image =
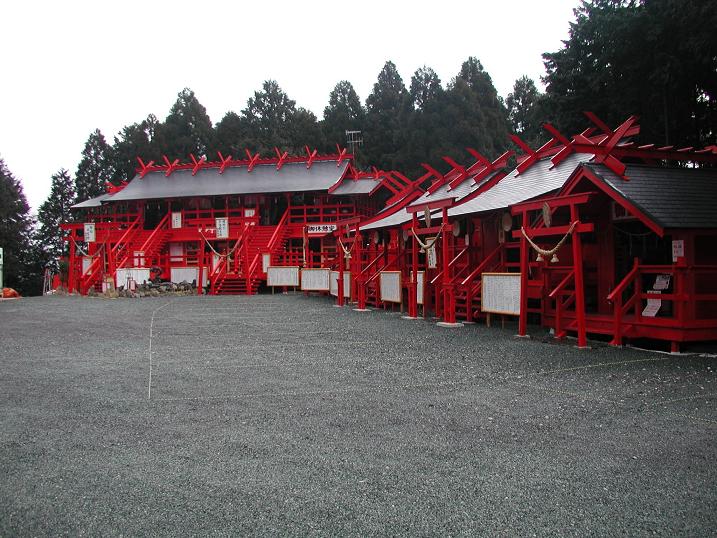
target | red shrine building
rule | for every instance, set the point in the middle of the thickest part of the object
(217, 224)
(588, 235)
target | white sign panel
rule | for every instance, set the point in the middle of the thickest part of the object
(421, 282)
(89, 232)
(140, 276)
(390, 285)
(176, 252)
(431, 257)
(265, 261)
(282, 276)
(315, 279)
(678, 249)
(185, 274)
(86, 262)
(653, 305)
(320, 228)
(500, 293)
(334, 284)
(249, 212)
(139, 258)
(176, 219)
(222, 225)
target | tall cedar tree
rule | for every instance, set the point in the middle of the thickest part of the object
(95, 168)
(231, 136)
(655, 59)
(54, 211)
(136, 140)
(187, 129)
(269, 117)
(387, 108)
(343, 113)
(21, 270)
(476, 114)
(526, 111)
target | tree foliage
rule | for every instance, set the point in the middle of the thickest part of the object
(95, 168)
(20, 269)
(187, 129)
(343, 113)
(526, 111)
(652, 58)
(54, 211)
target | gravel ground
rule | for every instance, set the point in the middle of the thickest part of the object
(283, 415)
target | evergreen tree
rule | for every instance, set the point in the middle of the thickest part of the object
(268, 116)
(525, 111)
(136, 140)
(604, 66)
(95, 168)
(20, 269)
(387, 108)
(231, 134)
(305, 131)
(477, 115)
(187, 128)
(425, 87)
(54, 211)
(343, 113)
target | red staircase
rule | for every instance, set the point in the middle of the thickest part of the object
(468, 287)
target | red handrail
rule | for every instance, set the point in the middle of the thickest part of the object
(481, 267)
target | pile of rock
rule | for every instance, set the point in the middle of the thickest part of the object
(149, 289)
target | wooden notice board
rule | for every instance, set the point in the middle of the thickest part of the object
(500, 293)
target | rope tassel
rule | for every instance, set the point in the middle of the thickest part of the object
(425, 247)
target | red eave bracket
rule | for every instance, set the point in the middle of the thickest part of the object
(252, 160)
(197, 163)
(342, 154)
(144, 168)
(311, 156)
(281, 158)
(223, 162)
(170, 166)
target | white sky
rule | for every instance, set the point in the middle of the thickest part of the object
(70, 67)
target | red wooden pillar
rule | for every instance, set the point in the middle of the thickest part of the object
(200, 273)
(342, 264)
(524, 252)
(413, 284)
(449, 299)
(579, 286)
(71, 284)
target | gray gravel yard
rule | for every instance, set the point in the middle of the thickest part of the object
(283, 415)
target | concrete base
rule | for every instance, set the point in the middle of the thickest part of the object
(449, 325)
(362, 310)
(337, 305)
(409, 317)
(521, 336)
(469, 323)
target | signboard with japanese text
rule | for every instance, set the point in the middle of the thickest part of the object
(89, 232)
(320, 229)
(419, 286)
(282, 276)
(500, 293)
(176, 219)
(678, 249)
(265, 261)
(315, 279)
(431, 257)
(222, 225)
(390, 286)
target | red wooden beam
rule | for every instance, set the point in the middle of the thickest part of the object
(197, 163)
(598, 122)
(281, 158)
(311, 157)
(223, 162)
(342, 154)
(144, 168)
(170, 166)
(252, 160)
(440, 179)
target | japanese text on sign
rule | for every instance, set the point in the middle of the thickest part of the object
(320, 228)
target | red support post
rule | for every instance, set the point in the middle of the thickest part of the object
(449, 300)
(579, 286)
(523, 319)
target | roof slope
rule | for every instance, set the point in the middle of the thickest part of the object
(671, 197)
(466, 187)
(264, 178)
(93, 202)
(514, 188)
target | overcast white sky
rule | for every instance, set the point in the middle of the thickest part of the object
(71, 67)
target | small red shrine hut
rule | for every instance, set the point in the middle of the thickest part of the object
(218, 224)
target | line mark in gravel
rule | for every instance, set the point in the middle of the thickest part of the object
(151, 333)
(602, 364)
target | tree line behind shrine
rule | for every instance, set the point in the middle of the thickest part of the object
(657, 59)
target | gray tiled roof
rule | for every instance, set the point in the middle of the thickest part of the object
(514, 188)
(360, 186)
(93, 202)
(671, 197)
(264, 178)
(461, 191)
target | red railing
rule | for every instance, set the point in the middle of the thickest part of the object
(563, 300)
